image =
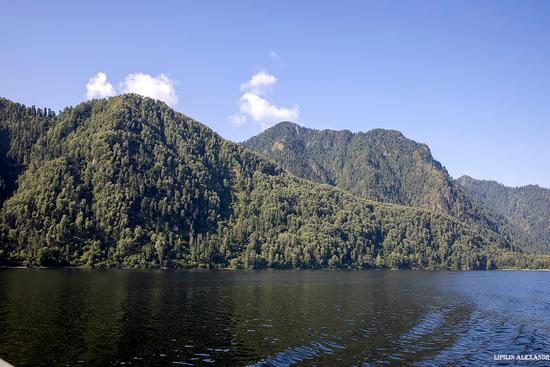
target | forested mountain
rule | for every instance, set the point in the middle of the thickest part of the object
(127, 181)
(381, 165)
(528, 207)
(20, 128)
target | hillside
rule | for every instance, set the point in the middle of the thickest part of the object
(20, 128)
(528, 207)
(127, 181)
(381, 165)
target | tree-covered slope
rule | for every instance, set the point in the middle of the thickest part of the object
(129, 182)
(381, 165)
(20, 128)
(528, 207)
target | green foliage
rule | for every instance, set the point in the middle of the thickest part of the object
(380, 165)
(129, 182)
(528, 207)
(20, 128)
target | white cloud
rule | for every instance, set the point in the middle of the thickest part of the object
(276, 59)
(260, 110)
(98, 87)
(254, 105)
(237, 120)
(160, 87)
(259, 83)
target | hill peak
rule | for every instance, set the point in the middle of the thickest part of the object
(297, 128)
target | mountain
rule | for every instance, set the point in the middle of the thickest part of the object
(528, 207)
(129, 182)
(20, 128)
(381, 165)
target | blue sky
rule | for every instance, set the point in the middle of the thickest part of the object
(469, 78)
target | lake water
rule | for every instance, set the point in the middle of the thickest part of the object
(272, 318)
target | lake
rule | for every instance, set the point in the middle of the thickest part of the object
(74, 317)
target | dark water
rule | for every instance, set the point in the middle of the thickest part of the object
(272, 318)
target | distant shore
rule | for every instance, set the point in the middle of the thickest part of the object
(246, 269)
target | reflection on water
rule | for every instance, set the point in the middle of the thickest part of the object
(271, 318)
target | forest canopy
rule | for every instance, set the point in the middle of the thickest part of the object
(383, 165)
(129, 182)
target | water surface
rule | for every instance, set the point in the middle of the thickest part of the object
(71, 317)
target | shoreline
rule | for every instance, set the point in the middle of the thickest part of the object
(266, 269)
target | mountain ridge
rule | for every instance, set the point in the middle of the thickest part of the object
(129, 182)
(294, 132)
(527, 206)
(495, 182)
(381, 165)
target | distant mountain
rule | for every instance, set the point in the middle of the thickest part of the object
(528, 207)
(127, 181)
(381, 165)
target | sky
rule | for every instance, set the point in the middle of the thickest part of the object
(469, 78)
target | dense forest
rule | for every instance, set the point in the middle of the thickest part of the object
(129, 182)
(528, 207)
(20, 128)
(381, 165)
